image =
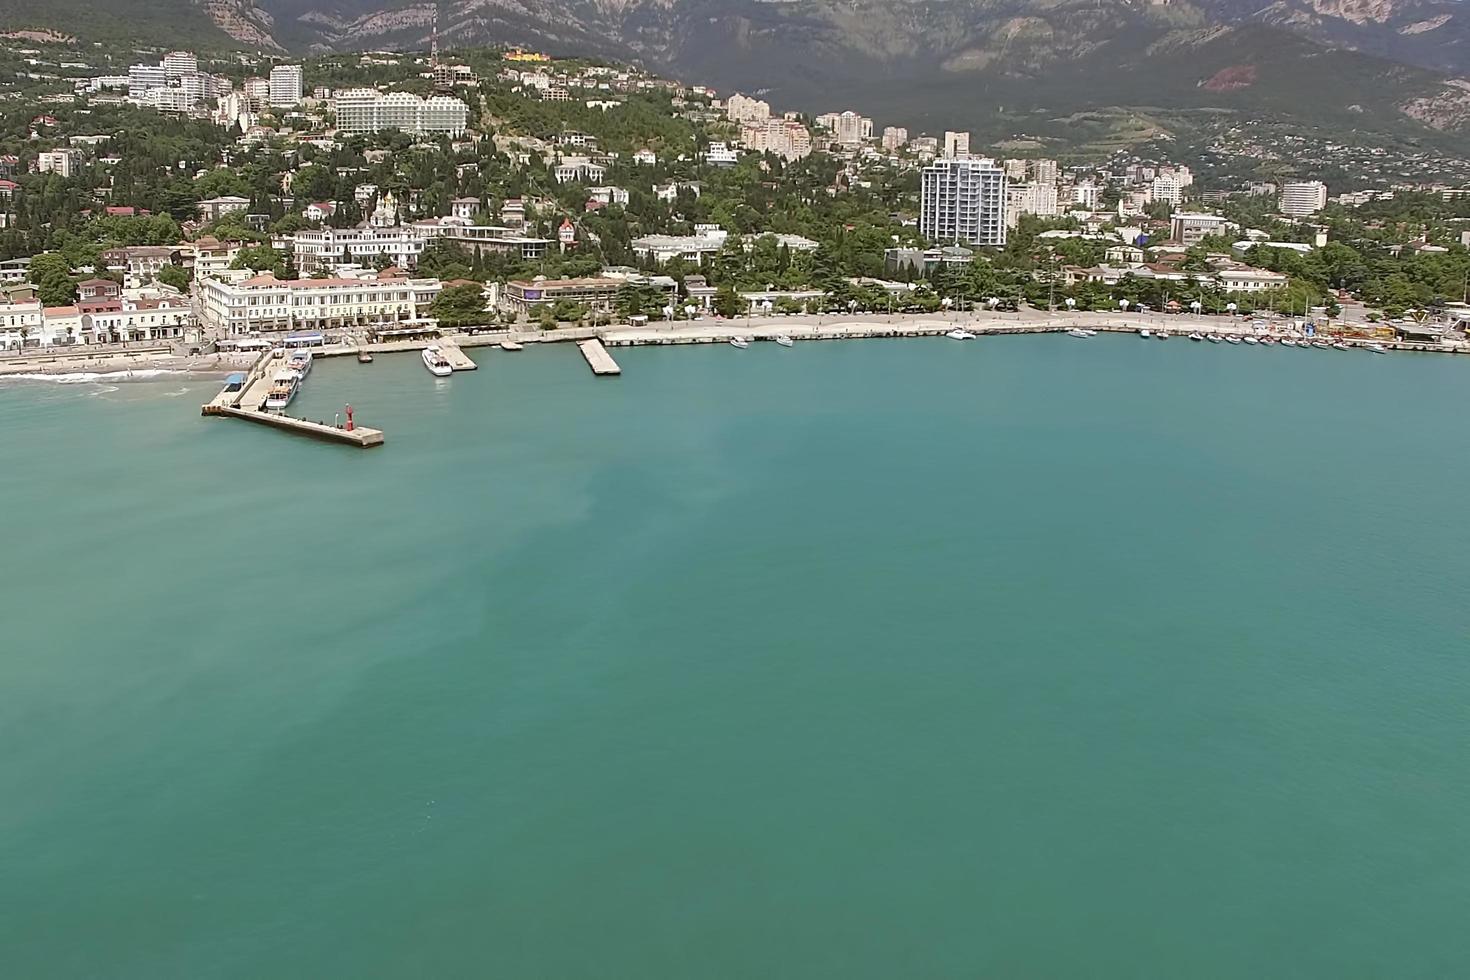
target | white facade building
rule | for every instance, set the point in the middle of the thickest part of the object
(963, 200)
(285, 85)
(265, 303)
(365, 110)
(177, 64)
(956, 145)
(1302, 198)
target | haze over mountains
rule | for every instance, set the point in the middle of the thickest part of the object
(935, 63)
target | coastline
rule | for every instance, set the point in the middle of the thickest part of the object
(122, 367)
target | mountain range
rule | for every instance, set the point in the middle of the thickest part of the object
(928, 63)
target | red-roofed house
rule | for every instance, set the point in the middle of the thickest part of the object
(98, 289)
(320, 211)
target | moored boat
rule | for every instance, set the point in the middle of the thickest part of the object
(1213, 338)
(364, 357)
(1145, 333)
(1377, 348)
(740, 342)
(1161, 335)
(284, 384)
(1074, 332)
(1324, 345)
(509, 345)
(436, 362)
(960, 334)
(783, 340)
(300, 362)
(1249, 339)
(1196, 337)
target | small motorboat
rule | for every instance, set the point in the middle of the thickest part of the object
(1377, 348)
(1249, 339)
(1268, 341)
(1074, 332)
(1339, 345)
(958, 334)
(1232, 339)
(1287, 342)
(740, 342)
(437, 363)
(783, 340)
(1144, 332)
(1196, 337)
(364, 357)
(1213, 338)
(1161, 335)
(1324, 345)
(510, 345)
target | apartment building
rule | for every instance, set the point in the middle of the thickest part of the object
(284, 87)
(963, 200)
(365, 110)
(1301, 198)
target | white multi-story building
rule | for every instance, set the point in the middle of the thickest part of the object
(285, 85)
(1033, 197)
(141, 78)
(365, 110)
(1301, 198)
(1044, 171)
(327, 247)
(1167, 188)
(177, 64)
(1086, 195)
(258, 91)
(741, 108)
(956, 144)
(62, 162)
(963, 200)
(784, 137)
(22, 324)
(848, 127)
(264, 303)
(894, 137)
(1015, 170)
(721, 155)
(1189, 227)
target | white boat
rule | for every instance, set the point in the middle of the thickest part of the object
(436, 362)
(1322, 344)
(1250, 339)
(740, 342)
(1161, 335)
(1339, 345)
(783, 340)
(284, 384)
(1377, 348)
(1213, 338)
(1196, 336)
(364, 357)
(300, 362)
(509, 345)
(1074, 332)
(1145, 333)
(958, 334)
(1287, 342)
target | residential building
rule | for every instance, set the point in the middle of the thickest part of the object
(786, 138)
(894, 137)
(925, 260)
(213, 257)
(665, 248)
(1301, 198)
(98, 290)
(257, 92)
(285, 85)
(214, 208)
(1015, 170)
(963, 200)
(580, 170)
(319, 211)
(1086, 194)
(1188, 228)
(62, 162)
(365, 110)
(264, 303)
(141, 261)
(740, 108)
(1032, 197)
(847, 126)
(721, 155)
(645, 158)
(327, 247)
(141, 78)
(1167, 188)
(1044, 171)
(22, 325)
(177, 64)
(956, 145)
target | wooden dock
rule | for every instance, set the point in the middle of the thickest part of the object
(598, 359)
(457, 358)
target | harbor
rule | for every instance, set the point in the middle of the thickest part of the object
(263, 392)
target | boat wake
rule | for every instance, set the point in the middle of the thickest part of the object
(93, 377)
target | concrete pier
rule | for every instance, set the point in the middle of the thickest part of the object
(457, 358)
(598, 359)
(360, 436)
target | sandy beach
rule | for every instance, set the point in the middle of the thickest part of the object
(121, 365)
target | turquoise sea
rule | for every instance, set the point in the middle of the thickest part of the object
(1024, 657)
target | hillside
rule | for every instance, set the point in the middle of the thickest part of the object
(990, 65)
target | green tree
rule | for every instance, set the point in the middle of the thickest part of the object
(51, 274)
(459, 305)
(172, 275)
(727, 301)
